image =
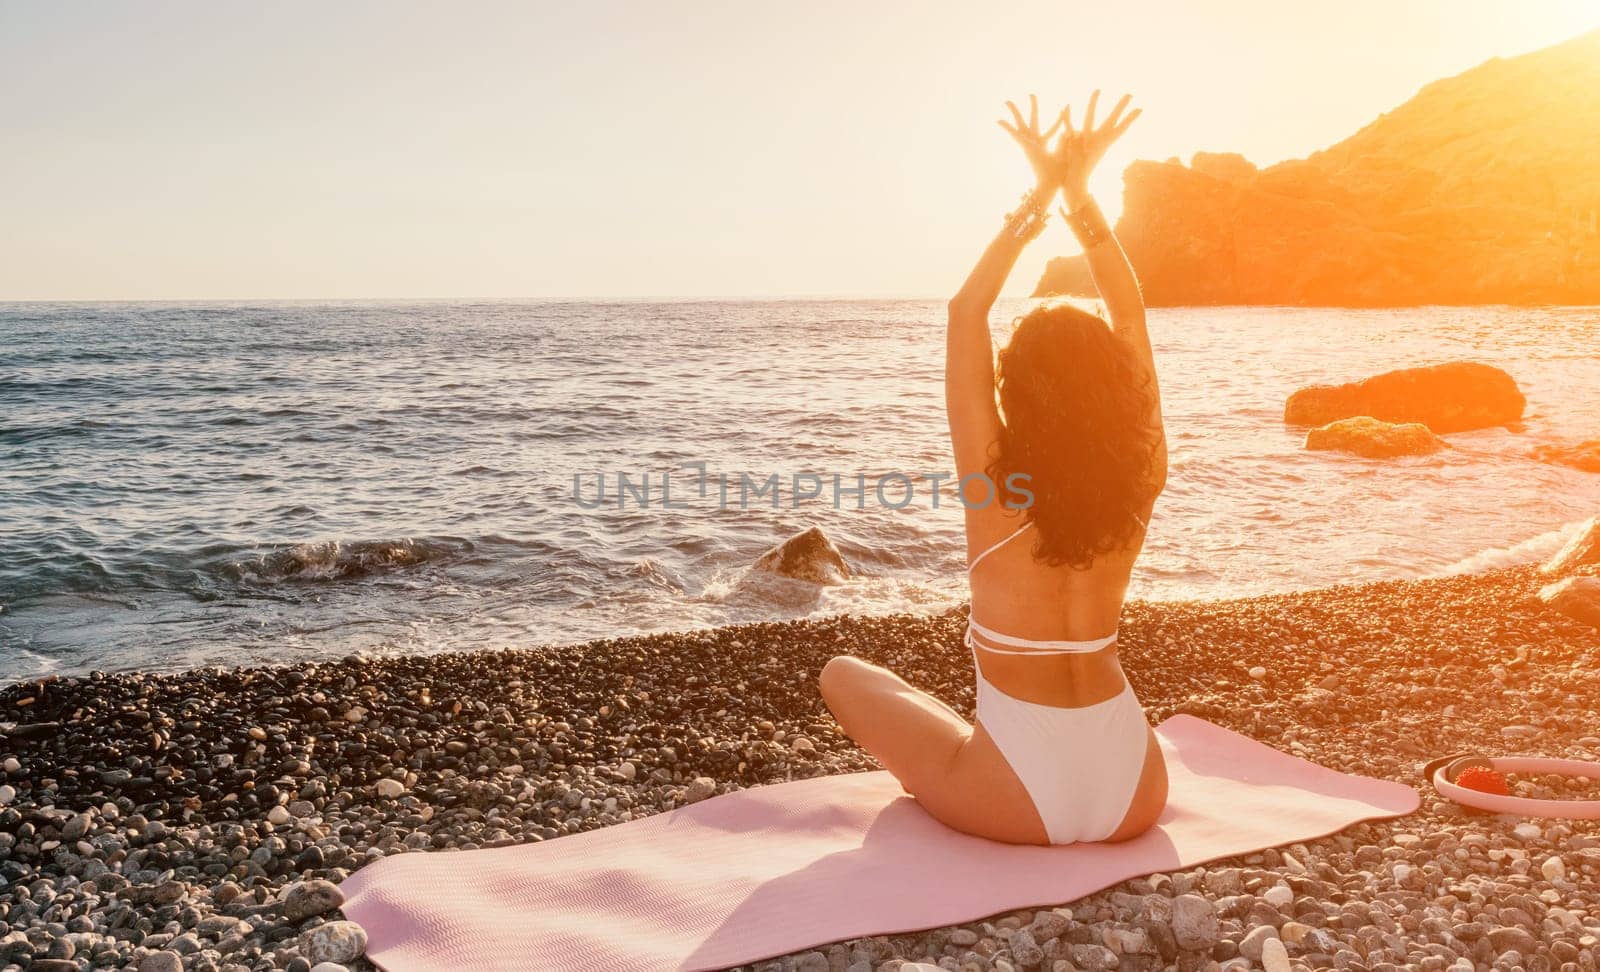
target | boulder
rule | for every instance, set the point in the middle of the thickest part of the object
(1581, 551)
(808, 556)
(1453, 397)
(1578, 455)
(1576, 597)
(1374, 439)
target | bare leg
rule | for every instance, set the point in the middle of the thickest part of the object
(952, 768)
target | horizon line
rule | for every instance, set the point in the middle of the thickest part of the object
(587, 299)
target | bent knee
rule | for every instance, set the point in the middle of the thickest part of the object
(839, 672)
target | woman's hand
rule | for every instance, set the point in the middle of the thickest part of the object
(1035, 144)
(1082, 149)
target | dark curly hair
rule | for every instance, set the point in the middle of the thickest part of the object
(1075, 419)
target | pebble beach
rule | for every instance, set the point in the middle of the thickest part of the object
(203, 820)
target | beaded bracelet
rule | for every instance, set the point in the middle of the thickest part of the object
(1027, 221)
(1088, 224)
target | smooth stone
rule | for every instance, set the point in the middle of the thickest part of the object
(389, 789)
(700, 788)
(77, 826)
(308, 899)
(1274, 957)
(1251, 945)
(1194, 922)
(161, 962)
(341, 942)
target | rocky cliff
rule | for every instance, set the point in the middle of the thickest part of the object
(1481, 189)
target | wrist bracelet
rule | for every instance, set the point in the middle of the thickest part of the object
(1088, 224)
(1027, 221)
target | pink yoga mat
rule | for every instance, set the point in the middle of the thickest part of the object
(780, 868)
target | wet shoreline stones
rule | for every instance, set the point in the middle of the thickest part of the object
(206, 818)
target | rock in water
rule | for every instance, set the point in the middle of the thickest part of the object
(1576, 597)
(1579, 455)
(1453, 397)
(808, 556)
(1374, 439)
(1581, 551)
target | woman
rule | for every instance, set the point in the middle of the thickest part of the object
(1061, 750)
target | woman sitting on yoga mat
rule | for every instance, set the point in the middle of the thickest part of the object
(1061, 750)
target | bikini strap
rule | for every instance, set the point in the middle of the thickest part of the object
(1033, 647)
(993, 547)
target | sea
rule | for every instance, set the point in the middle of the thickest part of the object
(191, 484)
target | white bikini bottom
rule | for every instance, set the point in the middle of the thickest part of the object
(1081, 766)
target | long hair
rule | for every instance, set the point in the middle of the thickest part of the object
(1075, 412)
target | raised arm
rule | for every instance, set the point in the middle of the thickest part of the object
(969, 350)
(1080, 151)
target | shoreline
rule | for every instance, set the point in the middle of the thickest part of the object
(1535, 550)
(198, 797)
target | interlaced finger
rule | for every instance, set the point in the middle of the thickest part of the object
(1116, 113)
(1016, 114)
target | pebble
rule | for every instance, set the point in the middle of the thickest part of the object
(1252, 944)
(242, 784)
(1274, 957)
(308, 899)
(1194, 922)
(161, 962)
(75, 827)
(700, 788)
(339, 942)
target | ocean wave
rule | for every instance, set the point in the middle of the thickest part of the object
(344, 559)
(1531, 550)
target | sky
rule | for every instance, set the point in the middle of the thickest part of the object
(199, 150)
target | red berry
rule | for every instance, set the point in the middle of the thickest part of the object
(1483, 779)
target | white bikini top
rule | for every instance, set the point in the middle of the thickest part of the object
(1030, 646)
